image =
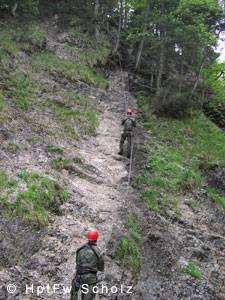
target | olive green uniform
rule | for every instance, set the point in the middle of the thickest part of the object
(129, 123)
(88, 262)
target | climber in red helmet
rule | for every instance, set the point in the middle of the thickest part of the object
(89, 261)
(128, 125)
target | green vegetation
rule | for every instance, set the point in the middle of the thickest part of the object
(214, 78)
(10, 146)
(31, 37)
(6, 183)
(219, 200)
(54, 149)
(22, 89)
(15, 36)
(78, 160)
(42, 196)
(72, 69)
(8, 46)
(82, 118)
(2, 102)
(178, 152)
(130, 246)
(61, 163)
(7, 188)
(192, 270)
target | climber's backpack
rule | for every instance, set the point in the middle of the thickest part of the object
(129, 124)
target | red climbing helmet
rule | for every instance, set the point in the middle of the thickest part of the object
(129, 111)
(92, 234)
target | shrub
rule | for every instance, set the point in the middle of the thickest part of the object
(173, 104)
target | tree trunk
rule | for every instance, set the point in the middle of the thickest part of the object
(13, 10)
(119, 26)
(198, 77)
(161, 70)
(141, 46)
(126, 11)
(152, 80)
(96, 12)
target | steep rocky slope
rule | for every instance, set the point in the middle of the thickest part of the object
(68, 131)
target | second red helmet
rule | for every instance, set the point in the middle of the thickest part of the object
(92, 234)
(129, 111)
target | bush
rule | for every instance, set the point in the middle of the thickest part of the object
(175, 105)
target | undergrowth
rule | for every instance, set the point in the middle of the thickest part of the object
(22, 89)
(130, 246)
(70, 68)
(218, 199)
(179, 150)
(78, 119)
(40, 197)
(54, 149)
(61, 163)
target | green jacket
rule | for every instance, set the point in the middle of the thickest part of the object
(129, 123)
(89, 261)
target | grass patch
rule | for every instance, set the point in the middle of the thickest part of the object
(61, 163)
(178, 152)
(2, 101)
(82, 119)
(8, 46)
(71, 69)
(54, 149)
(219, 200)
(22, 89)
(41, 197)
(11, 146)
(78, 160)
(31, 37)
(130, 246)
(6, 182)
(15, 36)
(192, 270)
(7, 187)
